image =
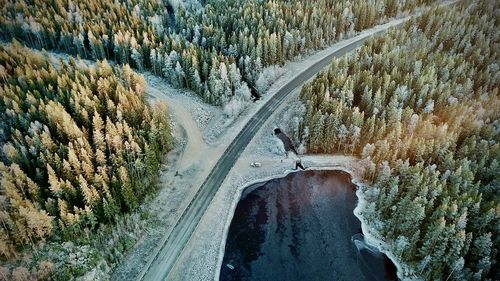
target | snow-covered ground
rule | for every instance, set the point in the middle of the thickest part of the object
(374, 239)
(203, 132)
(203, 139)
(201, 257)
(217, 128)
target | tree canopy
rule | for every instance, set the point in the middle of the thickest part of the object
(79, 146)
(191, 46)
(419, 105)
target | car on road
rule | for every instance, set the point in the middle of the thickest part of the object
(256, 164)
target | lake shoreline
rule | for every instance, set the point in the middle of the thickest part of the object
(354, 175)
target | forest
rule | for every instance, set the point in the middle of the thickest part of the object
(217, 50)
(420, 107)
(80, 146)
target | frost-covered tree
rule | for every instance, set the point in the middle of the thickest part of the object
(69, 158)
(426, 109)
(139, 32)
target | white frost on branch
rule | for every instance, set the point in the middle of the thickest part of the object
(238, 102)
(429, 107)
(267, 77)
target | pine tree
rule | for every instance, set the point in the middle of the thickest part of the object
(130, 199)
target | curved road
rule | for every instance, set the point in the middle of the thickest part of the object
(164, 259)
(195, 142)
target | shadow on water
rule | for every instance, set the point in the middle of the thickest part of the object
(301, 227)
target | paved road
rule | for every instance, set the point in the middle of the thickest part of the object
(164, 260)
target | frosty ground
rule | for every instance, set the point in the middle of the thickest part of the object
(203, 132)
(202, 257)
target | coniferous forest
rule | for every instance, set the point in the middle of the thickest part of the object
(82, 147)
(420, 107)
(210, 50)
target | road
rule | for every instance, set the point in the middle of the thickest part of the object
(164, 260)
(195, 142)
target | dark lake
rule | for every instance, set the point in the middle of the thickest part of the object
(301, 227)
